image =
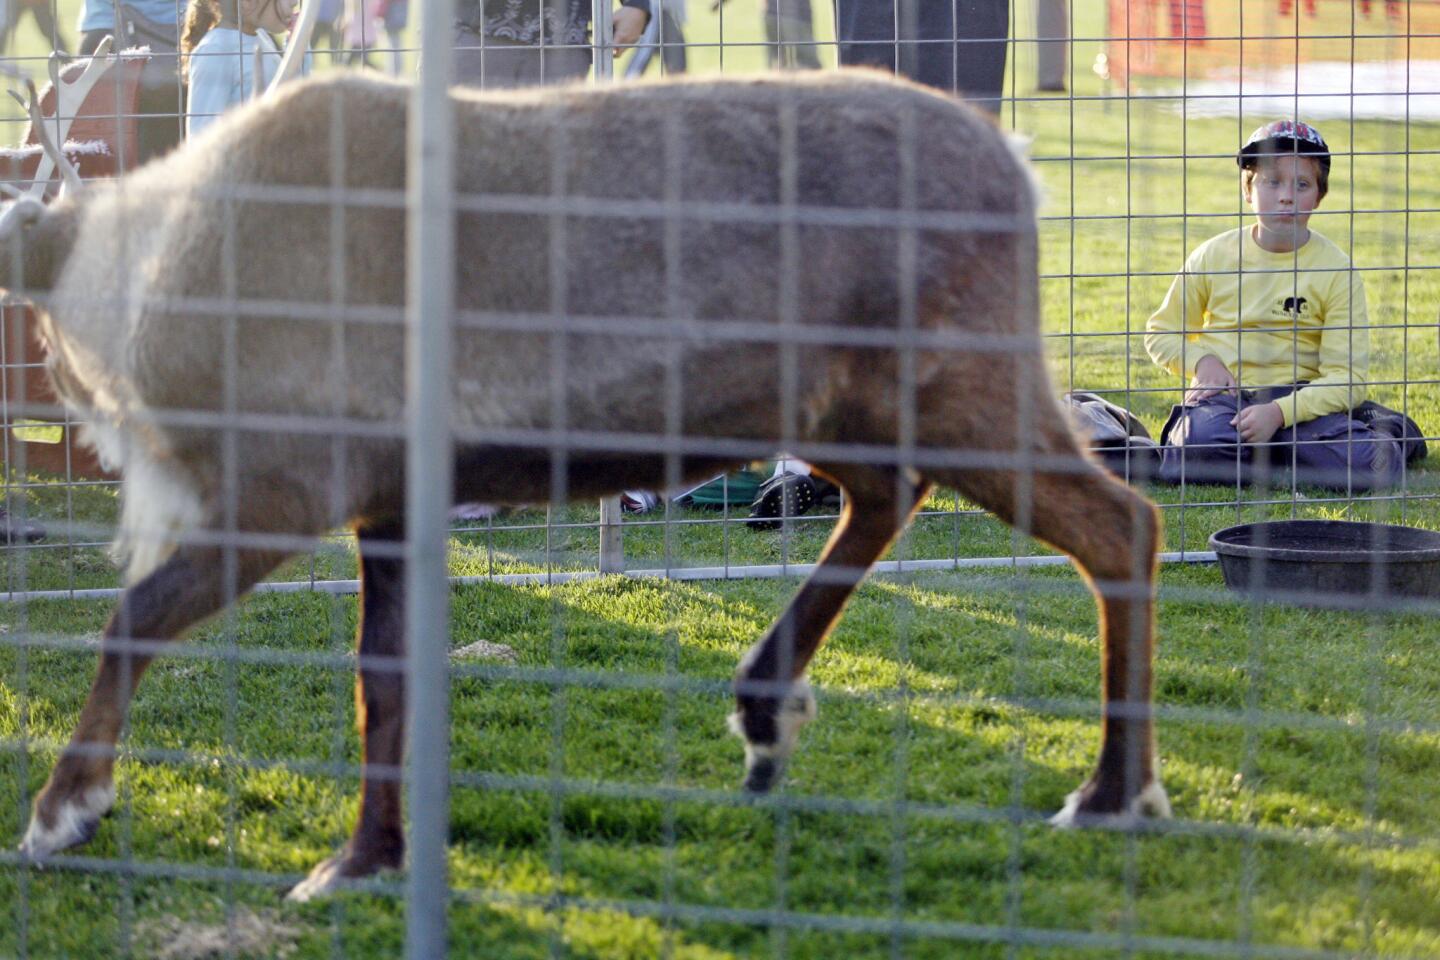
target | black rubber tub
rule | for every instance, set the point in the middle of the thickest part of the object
(1329, 562)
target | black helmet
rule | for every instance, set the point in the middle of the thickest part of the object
(1279, 137)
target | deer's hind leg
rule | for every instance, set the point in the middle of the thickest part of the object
(1113, 535)
(773, 700)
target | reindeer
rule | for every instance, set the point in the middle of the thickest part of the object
(857, 251)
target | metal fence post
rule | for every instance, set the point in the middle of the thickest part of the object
(429, 466)
(612, 536)
(601, 46)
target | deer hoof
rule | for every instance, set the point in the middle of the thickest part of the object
(761, 773)
(1151, 803)
(334, 874)
(322, 881)
(71, 823)
(765, 762)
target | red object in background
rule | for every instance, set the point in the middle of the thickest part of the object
(100, 143)
(1176, 39)
(27, 395)
(1135, 31)
(1393, 9)
(1187, 20)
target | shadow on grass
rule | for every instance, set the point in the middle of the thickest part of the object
(938, 690)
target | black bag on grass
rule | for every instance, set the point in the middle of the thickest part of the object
(1115, 435)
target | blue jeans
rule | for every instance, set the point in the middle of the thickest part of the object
(1335, 451)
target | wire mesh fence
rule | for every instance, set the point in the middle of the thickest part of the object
(720, 336)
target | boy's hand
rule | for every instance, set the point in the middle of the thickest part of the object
(1211, 377)
(1258, 423)
(629, 23)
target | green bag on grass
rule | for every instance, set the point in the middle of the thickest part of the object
(737, 489)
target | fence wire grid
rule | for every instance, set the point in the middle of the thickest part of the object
(570, 788)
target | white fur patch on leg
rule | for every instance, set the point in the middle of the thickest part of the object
(1151, 803)
(797, 709)
(1065, 818)
(159, 508)
(321, 882)
(74, 823)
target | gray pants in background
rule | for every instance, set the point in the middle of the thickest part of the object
(790, 33)
(482, 61)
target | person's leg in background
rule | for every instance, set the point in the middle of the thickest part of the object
(790, 33)
(972, 63)
(502, 64)
(9, 17)
(359, 33)
(1342, 453)
(397, 15)
(865, 30)
(959, 46)
(481, 61)
(327, 35)
(1201, 445)
(559, 64)
(49, 27)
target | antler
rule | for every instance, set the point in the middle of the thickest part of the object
(68, 173)
(257, 77)
(24, 209)
(69, 96)
(298, 44)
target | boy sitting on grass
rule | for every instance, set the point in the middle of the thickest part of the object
(1268, 321)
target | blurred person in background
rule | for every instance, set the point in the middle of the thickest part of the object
(364, 22)
(519, 43)
(44, 14)
(219, 46)
(789, 34)
(954, 45)
(329, 29)
(144, 23)
(1269, 323)
(394, 16)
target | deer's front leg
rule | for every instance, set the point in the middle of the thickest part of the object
(182, 591)
(378, 842)
(773, 700)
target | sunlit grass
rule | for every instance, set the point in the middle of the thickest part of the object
(1321, 834)
(956, 709)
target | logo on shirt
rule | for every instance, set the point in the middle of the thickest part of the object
(1295, 307)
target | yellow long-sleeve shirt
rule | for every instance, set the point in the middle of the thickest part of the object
(1272, 318)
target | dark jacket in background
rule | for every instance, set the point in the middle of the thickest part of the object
(953, 45)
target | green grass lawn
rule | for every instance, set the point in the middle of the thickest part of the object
(594, 812)
(1299, 748)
